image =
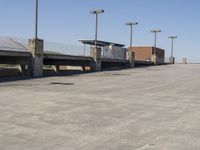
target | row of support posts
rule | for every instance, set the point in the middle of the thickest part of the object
(36, 48)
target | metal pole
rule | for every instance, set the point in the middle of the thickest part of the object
(131, 24)
(172, 50)
(131, 37)
(36, 19)
(96, 31)
(155, 40)
(155, 43)
(84, 49)
(172, 45)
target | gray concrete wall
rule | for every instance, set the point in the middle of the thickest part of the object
(96, 55)
(9, 72)
(36, 47)
(131, 58)
(114, 52)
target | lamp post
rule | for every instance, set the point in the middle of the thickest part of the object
(155, 38)
(36, 19)
(36, 48)
(96, 12)
(130, 55)
(131, 24)
(95, 52)
(155, 44)
(172, 46)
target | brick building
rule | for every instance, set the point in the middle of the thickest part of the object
(145, 53)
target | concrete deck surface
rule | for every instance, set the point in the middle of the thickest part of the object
(154, 108)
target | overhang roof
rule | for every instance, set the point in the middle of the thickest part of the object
(100, 43)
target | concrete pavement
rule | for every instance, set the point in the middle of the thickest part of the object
(154, 108)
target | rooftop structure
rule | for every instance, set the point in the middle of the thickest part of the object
(100, 43)
(145, 53)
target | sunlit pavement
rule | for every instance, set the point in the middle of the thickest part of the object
(153, 108)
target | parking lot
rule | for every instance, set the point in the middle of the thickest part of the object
(151, 108)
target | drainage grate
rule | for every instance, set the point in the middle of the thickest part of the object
(118, 74)
(60, 83)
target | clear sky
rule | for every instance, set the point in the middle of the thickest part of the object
(66, 21)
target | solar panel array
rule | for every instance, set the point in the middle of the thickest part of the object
(13, 44)
(20, 44)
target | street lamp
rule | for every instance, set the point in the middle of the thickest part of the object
(154, 56)
(155, 41)
(36, 19)
(172, 48)
(131, 24)
(96, 12)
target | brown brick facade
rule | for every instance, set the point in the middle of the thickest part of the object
(145, 53)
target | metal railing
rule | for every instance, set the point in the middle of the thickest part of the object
(21, 44)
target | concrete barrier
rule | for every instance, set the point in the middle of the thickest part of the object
(9, 72)
(36, 48)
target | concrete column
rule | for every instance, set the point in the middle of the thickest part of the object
(56, 68)
(154, 59)
(172, 60)
(36, 48)
(131, 58)
(96, 54)
(83, 68)
(22, 70)
(184, 60)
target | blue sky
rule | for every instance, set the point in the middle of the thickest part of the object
(66, 21)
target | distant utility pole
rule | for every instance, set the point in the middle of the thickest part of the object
(36, 19)
(84, 49)
(155, 40)
(96, 12)
(172, 46)
(131, 24)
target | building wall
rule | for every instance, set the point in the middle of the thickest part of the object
(160, 54)
(142, 53)
(145, 53)
(114, 52)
